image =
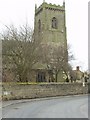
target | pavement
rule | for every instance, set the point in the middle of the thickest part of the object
(12, 102)
(60, 107)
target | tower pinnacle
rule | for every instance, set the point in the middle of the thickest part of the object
(43, 1)
(63, 2)
(35, 6)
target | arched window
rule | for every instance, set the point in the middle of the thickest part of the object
(39, 25)
(54, 23)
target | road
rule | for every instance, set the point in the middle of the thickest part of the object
(61, 107)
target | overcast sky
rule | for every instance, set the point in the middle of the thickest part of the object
(18, 11)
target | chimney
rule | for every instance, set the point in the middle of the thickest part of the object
(77, 68)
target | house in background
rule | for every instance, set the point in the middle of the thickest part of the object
(78, 74)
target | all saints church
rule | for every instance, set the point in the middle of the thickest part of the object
(50, 28)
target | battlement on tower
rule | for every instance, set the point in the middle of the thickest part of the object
(49, 6)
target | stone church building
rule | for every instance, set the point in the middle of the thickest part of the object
(50, 28)
(50, 23)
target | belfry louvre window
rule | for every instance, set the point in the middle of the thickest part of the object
(39, 25)
(54, 23)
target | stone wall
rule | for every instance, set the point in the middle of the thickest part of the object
(14, 91)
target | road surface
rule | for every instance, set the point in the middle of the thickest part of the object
(61, 107)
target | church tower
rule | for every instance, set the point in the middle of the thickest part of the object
(50, 29)
(49, 24)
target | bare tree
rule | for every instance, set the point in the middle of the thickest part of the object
(56, 58)
(19, 51)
